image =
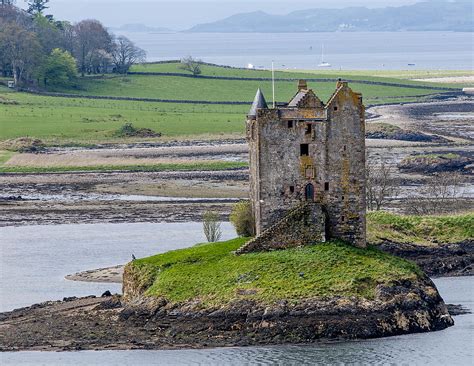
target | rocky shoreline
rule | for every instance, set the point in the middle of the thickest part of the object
(110, 323)
(455, 259)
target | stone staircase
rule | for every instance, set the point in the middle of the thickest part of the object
(302, 225)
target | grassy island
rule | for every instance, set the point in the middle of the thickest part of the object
(214, 275)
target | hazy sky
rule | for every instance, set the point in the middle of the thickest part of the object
(182, 14)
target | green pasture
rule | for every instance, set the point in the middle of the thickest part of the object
(400, 76)
(179, 88)
(85, 121)
(79, 121)
(198, 166)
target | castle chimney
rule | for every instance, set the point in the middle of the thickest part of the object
(302, 85)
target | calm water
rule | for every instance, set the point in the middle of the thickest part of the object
(359, 50)
(34, 260)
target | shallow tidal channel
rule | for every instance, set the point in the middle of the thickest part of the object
(35, 259)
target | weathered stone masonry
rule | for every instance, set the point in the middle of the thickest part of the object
(313, 153)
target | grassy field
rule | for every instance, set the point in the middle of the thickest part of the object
(63, 121)
(425, 230)
(213, 275)
(5, 156)
(178, 88)
(78, 121)
(374, 75)
(217, 165)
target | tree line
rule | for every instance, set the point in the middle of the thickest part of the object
(39, 50)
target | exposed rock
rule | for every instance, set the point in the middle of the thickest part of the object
(379, 130)
(436, 163)
(147, 323)
(23, 144)
(455, 310)
(11, 198)
(436, 260)
(405, 135)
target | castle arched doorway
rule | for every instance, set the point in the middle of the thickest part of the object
(309, 192)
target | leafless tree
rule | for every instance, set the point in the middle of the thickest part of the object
(21, 50)
(379, 185)
(90, 36)
(442, 190)
(67, 36)
(212, 226)
(99, 61)
(192, 65)
(9, 13)
(125, 54)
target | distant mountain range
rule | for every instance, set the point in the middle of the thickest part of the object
(436, 15)
(140, 28)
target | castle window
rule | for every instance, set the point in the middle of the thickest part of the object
(304, 150)
(326, 186)
(335, 108)
(343, 218)
(290, 124)
(308, 129)
(309, 192)
(345, 147)
(292, 189)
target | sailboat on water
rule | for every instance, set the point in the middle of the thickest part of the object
(323, 63)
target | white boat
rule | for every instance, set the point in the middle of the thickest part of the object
(323, 63)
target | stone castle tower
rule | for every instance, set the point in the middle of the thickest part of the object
(307, 169)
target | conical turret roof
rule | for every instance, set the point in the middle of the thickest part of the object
(258, 103)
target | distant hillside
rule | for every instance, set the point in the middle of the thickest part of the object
(437, 15)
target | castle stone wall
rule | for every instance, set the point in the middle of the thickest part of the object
(311, 153)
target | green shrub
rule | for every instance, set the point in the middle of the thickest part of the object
(242, 219)
(129, 130)
(126, 130)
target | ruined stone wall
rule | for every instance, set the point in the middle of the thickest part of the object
(301, 226)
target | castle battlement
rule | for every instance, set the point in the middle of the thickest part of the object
(311, 152)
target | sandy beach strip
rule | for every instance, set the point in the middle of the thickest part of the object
(102, 275)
